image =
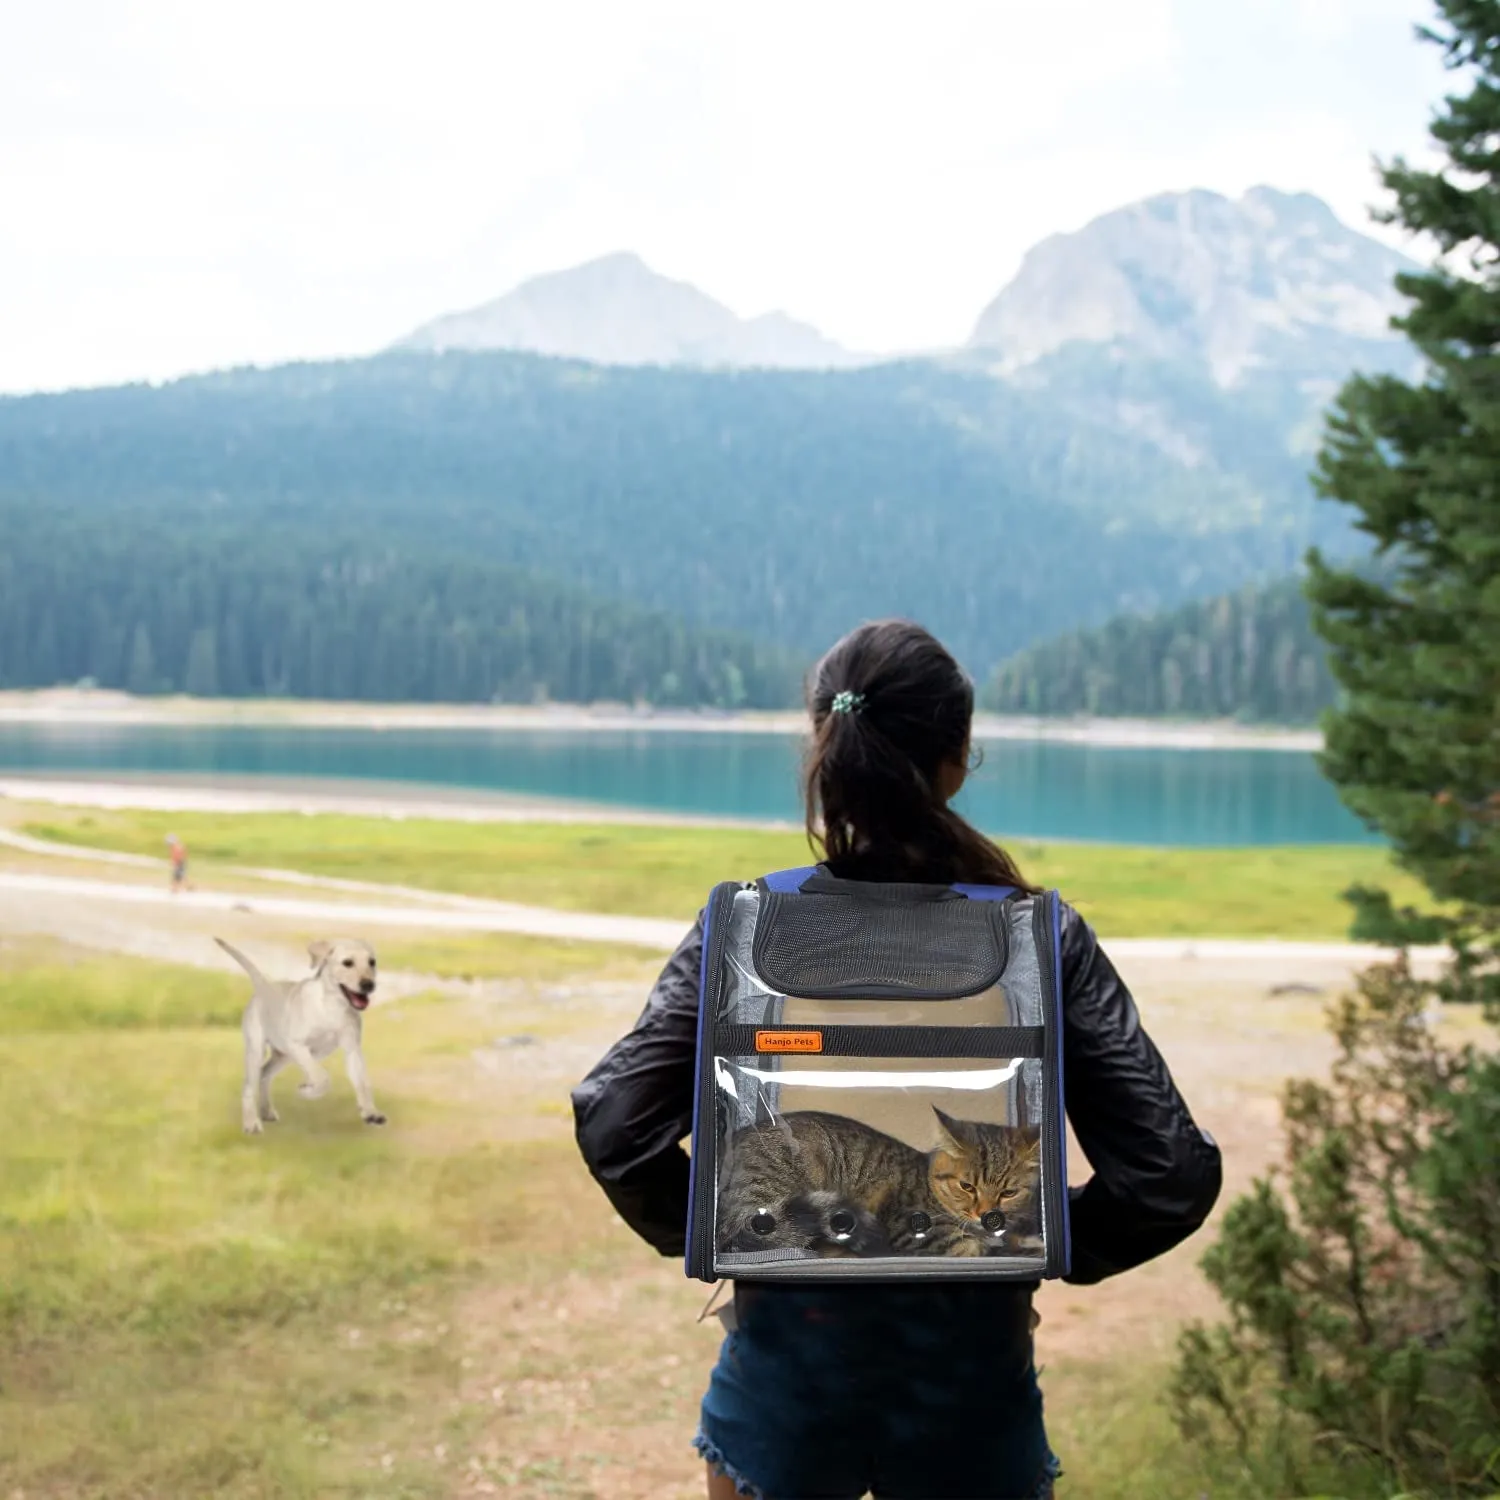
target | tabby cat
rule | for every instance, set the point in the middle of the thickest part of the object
(825, 1183)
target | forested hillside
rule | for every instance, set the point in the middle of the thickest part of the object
(1248, 655)
(223, 609)
(783, 505)
(1129, 429)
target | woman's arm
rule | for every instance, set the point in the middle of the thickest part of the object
(633, 1110)
(1156, 1174)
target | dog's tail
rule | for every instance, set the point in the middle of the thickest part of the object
(256, 977)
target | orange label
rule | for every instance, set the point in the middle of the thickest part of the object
(788, 1041)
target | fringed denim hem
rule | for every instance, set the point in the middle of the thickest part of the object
(711, 1455)
(721, 1465)
(1049, 1478)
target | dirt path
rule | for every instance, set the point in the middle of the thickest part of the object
(415, 907)
(402, 910)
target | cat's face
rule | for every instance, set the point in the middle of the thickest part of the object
(985, 1175)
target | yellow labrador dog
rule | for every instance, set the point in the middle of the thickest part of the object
(302, 1020)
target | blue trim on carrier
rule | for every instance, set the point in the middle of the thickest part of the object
(695, 1154)
(1062, 1106)
(986, 892)
(790, 882)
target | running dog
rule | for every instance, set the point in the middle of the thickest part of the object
(303, 1020)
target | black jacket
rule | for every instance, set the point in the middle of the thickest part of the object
(1156, 1174)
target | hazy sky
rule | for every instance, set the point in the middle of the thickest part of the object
(194, 183)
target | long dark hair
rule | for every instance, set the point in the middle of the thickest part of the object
(890, 709)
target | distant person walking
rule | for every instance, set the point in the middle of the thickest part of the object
(177, 853)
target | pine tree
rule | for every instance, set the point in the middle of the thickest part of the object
(201, 676)
(1414, 749)
(1364, 1300)
(140, 675)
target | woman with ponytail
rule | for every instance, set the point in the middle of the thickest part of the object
(906, 1392)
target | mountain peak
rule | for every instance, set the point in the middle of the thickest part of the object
(626, 260)
(616, 310)
(1228, 282)
(1281, 201)
(623, 266)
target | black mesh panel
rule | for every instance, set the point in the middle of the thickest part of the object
(825, 947)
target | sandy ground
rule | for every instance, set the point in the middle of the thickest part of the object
(535, 921)
(180, 792)
(75, 706)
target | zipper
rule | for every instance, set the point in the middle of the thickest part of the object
(703, 1188)
(1054, 1138)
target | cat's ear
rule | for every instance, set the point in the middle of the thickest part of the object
(951, 1130)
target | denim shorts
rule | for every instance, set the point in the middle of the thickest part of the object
(906, 1393)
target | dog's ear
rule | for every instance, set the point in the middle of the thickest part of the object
(319, 952)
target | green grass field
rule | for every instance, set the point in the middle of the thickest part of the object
(526, 960)
(176, 1302)
(443, 1307)
(1126, 891)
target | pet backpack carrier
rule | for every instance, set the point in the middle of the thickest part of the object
(879, 1083)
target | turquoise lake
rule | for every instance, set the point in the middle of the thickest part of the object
(1032, 789)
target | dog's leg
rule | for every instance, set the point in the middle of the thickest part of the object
(354, 1065)
(271, 1067)
(360, 1079)
(314, 1072)
(255, 1050)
